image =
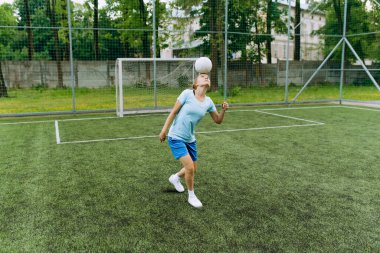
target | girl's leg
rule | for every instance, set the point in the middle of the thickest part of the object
(188, 171)
(181, 173)
(190, 168)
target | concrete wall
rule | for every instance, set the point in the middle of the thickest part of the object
(94, 74)
(91, 74)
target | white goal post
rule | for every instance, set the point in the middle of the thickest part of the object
(150, 73)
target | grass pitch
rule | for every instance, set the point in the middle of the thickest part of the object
(298, 179)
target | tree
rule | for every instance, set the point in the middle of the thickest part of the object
(29, 30)
(131, 18)
(213, 10)
(259, 39)
(83, 40)
(6, 35)
(64, 33)
(269, 31)
(273, 22)
(40, 37)
(210, 13)
(246, 30)
(374, 26)
(51, 13)
(161, 16)
(95, 31)
(3, 87)
(297, 32)
(357, 22)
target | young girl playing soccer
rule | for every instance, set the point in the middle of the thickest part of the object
(190, 108)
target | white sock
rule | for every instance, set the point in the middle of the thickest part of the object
(191, 193)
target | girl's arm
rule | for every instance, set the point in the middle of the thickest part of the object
(218, 117)
(177, 106)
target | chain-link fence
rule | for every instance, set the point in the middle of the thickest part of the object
(59, 55)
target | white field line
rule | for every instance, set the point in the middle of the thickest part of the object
(57, 137)
(129, 116)
(283, 116)
(282, 109)
(27, 122)
(360, 108)
(258, 128)
(81, 119)
(313, 123)
(114, 117)
(111, 139)
(301, 108)
(205, 132)
(49, 121)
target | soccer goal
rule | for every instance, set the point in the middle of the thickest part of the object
(139, 80)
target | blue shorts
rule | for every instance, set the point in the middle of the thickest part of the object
(180, 148)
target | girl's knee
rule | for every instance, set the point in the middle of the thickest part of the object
(190, 168)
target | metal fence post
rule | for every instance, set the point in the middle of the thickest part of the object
(154, 54)
(225, 48)
(287, 55)
(343, 52)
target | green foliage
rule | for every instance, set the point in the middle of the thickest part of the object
(7, 35)
(140, 84)
(131, 36)
(235, 91)
(39, 87)
(358, 22)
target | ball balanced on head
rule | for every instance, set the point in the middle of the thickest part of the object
(203, 65)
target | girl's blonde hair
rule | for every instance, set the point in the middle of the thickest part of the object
(195, 85)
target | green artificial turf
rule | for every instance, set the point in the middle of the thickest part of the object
(275, 185)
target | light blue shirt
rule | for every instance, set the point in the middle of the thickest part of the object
(191, 112)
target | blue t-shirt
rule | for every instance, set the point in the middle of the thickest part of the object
(191, 112)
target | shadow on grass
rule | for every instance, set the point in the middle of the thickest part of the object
(167, 190)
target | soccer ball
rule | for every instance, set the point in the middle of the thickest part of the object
(203, 65)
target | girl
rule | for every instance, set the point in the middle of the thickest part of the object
(190, 108)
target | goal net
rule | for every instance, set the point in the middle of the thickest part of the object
(145, 84)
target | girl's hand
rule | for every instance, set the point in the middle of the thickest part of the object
(162, 136)
(225, 106)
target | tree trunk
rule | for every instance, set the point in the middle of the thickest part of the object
(29, 30)
(213, 4)
(3, 87)
(258, 69)
(244, 58)
(219, 27)
(96, 31)
(337, 4)
(338, 14)
(65, 18)
(297, 35)
(269, 32)
(145, 40)
(57, 55)
(158, 49)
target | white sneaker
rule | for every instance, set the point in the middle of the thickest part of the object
(194, 201)
(174, 179)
